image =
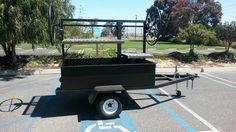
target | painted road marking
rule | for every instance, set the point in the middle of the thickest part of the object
(192, 112)
(204, 76)
(12, 122)
(171, 112)
(122, 124)
(15, 121)
(24, 117)
(27, 129)
(219, 78)
(206, 131)
(34, 120)
(28, 83)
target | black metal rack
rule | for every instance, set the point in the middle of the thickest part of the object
(118, 24)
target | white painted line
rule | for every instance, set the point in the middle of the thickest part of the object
(218, 81)
(205, 131)
(100, 123)
(110, 123)
(192, 112)
(4, 88)
(219, 78)
(121, 128)
(104, 127)
(90, 128)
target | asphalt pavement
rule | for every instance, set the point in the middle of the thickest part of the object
(29, 103)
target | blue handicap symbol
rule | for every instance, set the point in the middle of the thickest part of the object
(122, 124)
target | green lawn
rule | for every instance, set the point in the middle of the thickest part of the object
(128, 44)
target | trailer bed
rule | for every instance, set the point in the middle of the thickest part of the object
(84, 74)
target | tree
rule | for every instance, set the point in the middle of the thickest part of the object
(26, 20)
(197, 34)
(105, 32)
(111, 29)
(166, 7)
(206, 12)
(227, 33)
(181, 13)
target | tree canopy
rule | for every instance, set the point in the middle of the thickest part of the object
(227, 33)
(26, 20)
(181, 13)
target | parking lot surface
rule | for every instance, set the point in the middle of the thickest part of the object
(29, 103)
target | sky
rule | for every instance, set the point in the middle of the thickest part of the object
(128, 9)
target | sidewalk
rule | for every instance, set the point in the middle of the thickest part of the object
(158, 70)
(50, 52)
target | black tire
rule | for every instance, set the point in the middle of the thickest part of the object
(103, 109)
(51, 28)
(153, 25)
(178, 93)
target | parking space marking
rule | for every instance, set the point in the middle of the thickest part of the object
(27, 129)
(171, 112)
(206, 131)
(34, 120)
(122, 124)
(204, 76)
(24, 117)
(28, 83)
(209, 125)
(219, 78)
(12, 122)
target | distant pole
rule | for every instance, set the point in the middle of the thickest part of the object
(127, 32)
(136, 17)
(80, 11)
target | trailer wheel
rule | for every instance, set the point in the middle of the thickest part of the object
(178, 93)
(109, 106)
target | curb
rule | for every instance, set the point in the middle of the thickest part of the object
(26, 72)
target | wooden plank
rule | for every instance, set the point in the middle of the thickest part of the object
(91, 41)
(136, 55)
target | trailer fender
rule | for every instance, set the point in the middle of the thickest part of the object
(104, 89)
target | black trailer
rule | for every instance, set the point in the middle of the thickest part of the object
(105, 79)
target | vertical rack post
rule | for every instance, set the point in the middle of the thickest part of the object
(62, 37)
(144, 36)
(119, 30)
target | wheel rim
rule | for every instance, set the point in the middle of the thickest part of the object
(110, 106)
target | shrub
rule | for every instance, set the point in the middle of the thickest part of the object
(175, 40)
(198, 34)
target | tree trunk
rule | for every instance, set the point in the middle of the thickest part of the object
(227, 50)
(10, 55)
(191, 51)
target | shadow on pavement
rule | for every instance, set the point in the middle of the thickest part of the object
(9, 75)
(74, 104)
